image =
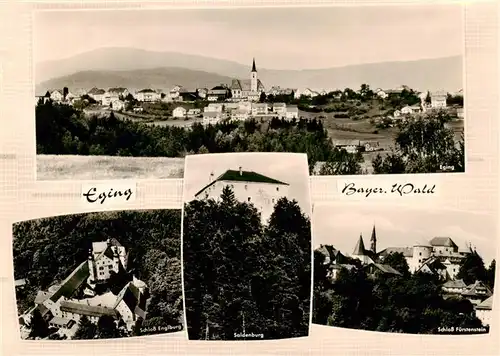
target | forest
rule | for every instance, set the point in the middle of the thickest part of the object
(244, 279)
(410, 303)
(421, 145)
(47, 250)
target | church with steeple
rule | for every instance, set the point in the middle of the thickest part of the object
(247, 89)
(364, 255)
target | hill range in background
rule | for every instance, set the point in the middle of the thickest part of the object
(137, 69)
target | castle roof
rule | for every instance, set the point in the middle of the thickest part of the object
(477, 289)
(245, 85)
(406, 251)
(359, 249)
(96, 91)
(486, 304)
(117, 90)
(85, 309)
(133, 298)
(331, 252)
(146, 91)
(68, 287)
(243, 176)
(385, 268)
(459, 283)
(443, 241)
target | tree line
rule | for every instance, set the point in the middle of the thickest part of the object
(410, 303)
(242, 276)
(422, 145)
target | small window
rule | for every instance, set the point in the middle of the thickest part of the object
(277, 189)
(249, 199)
(273, 200)
(420, 254)
(246, 187)
(101, 268)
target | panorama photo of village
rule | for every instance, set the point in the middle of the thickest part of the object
(349, 89)
(389, 273)
(99, 275)
(251, 278)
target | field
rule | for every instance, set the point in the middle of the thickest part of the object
(66, 167)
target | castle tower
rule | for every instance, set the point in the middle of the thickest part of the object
(373, 241)
(253, 78)
(92, 272)
(359, 249)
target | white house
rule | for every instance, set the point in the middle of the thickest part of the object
(310, 93)
(104, 258)
(292, 112)
(211, 117)
(351, 146)
(118, 93)
(279, 109)
(202, 93)
(381, 93)
(106, 99)
(117, 105)
(179, 112)
(214, 107)
(371, 146)
(483, 311)
(175, 91)
(96, 94)
(248, 186)
(239, 115)
(408, 110)
(259, 109)
(193, 112)
(438, 99)
(147, 95)
(56, 95)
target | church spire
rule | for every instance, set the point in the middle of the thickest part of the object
(359, 249)
(373, 240)
(253, 66)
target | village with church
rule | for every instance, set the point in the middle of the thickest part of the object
(238, 101)
(440, 257)
(100, 287)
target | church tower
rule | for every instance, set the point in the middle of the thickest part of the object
(253, 78)
(373, 241)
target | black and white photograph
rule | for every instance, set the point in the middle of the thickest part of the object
(99, 275)
(403, 270)
(361, 89)
(247, 250)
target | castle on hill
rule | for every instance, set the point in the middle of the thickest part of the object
(440, 256)
(86, 292)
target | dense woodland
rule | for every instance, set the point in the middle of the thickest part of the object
(242, 276)
(47, 250)
(411, 303)
(422, 144)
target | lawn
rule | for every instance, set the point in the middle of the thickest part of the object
(66, 167)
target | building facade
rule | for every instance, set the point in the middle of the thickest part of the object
(248, 186)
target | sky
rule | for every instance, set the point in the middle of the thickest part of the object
(281, 38)
(340, 225)
(289, 168)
